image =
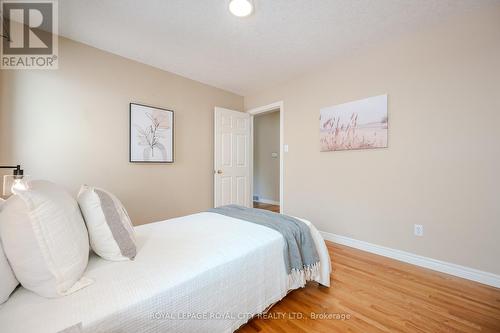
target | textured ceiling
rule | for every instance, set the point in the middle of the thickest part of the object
(201, 40)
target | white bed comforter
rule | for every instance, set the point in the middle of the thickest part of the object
(198, 273)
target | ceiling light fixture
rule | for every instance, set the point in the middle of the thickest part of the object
(241, 8)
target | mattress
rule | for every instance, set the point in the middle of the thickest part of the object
(198, 273)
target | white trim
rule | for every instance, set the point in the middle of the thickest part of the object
(263, 109)
(266, 108)
(267, 201)
(214, 186)
(437, 265)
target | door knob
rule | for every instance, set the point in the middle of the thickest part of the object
(219, 172)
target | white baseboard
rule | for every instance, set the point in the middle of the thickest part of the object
(268, 201)
(437, 265)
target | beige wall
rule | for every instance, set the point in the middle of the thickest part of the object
(266, 179)
(71, 126)
(442, 165)
(4, 121)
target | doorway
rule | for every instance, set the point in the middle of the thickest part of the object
(266, 179)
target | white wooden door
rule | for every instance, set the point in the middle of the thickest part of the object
(232, 158)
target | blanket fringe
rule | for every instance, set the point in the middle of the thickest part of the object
(298, 278)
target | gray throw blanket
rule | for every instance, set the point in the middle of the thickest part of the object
(300, 254)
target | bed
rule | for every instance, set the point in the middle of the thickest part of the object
(199, 273)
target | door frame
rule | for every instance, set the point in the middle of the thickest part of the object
(266, 109)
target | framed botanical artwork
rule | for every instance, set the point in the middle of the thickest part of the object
(151, 134)
(361, 124)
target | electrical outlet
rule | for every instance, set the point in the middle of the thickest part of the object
(419, 230)
(285, 148)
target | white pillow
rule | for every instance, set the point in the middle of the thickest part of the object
(7, 278)
(110, 229)
(45, 239)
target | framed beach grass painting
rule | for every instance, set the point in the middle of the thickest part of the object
(361, 124)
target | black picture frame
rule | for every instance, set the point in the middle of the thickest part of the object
(138, 161)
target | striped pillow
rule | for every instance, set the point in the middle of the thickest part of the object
(110, 229)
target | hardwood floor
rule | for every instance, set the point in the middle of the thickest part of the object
(379, 294)
(272, 208)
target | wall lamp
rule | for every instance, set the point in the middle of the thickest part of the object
(10, 182)
(18, 172)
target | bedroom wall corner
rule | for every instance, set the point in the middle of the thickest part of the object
(71, 126)
(441, 167)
